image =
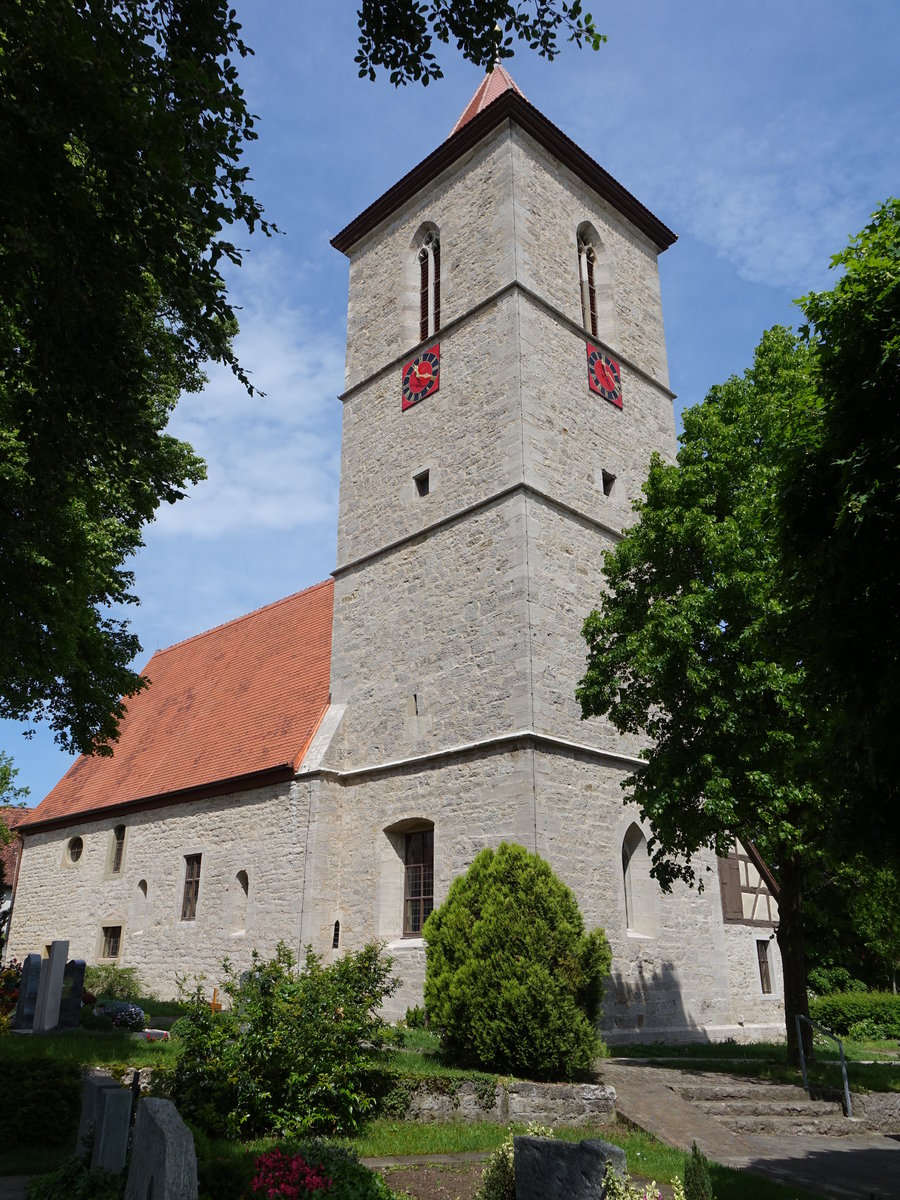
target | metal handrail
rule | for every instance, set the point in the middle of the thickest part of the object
(798, 1017)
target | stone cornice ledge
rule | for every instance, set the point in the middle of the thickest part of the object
(511, 489)
(499, 740)
(504, 290)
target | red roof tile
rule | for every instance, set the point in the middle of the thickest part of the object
(240, 700)
(497, 81)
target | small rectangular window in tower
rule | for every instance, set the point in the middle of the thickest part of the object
(765, 977)
(191, 887)
(422, 482)
(608, 481)
(112, 939)
(118, 848)
(419, 887)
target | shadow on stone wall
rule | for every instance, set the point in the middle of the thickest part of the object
(646, 1005)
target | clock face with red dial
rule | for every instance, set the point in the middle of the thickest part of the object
(421, 377)
(604, 375)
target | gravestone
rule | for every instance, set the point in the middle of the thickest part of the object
(91, 1089)
(72, 992)
(112, 1124)
(545, 1168)
(46, 1010)
(163, 1159)
(28, 992)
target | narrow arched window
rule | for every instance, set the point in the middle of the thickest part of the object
(587, 266)
(429, 285)
(640, 887)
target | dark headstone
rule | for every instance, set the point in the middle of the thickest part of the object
(91, 1089)
(112, 1125)
(72, 992)
(547, 1169)
(28, 990)
(163, 1159)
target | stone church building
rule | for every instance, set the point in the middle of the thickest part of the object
(319, 771)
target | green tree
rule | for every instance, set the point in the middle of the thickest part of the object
(121, 129)
(693, 645)
(512, 980)
(399, 37)
(842, 521)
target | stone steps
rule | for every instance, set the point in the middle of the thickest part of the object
(774, 1109)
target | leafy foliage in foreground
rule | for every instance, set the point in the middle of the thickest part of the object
(74, 1180)
(512, 980)
(123, 125)
(399, 36)
(296, 1052)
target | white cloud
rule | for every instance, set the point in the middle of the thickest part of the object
(273, 461)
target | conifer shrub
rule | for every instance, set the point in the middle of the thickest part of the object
(697, 1183)
(513, 982)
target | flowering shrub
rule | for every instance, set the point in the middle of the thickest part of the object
(618, 1188)
(281, 1176)
(295, 1054)
(10, 978)
(122, 1014)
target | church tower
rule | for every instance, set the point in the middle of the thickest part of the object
(506, 384)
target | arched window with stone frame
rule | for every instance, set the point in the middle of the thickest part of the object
(428, 258)
(595, 285)
(640, 887)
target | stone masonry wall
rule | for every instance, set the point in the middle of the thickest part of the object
(262, 833)
(467, 435)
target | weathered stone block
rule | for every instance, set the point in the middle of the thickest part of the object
(547, 1169)
(163, 1159)
(112, 1124)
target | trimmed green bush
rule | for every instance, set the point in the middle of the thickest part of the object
(512, 982)
(840, 1010)
(112, 982)
(42, 1102)
(295, 1054)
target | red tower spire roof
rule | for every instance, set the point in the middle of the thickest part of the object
(497, 81)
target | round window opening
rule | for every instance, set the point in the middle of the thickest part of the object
(76, 846)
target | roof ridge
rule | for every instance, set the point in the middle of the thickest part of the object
(243, 617)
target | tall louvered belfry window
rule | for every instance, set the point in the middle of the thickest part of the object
(429, 285)
(587, 262)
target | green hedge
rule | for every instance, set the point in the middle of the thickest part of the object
(840, 1010)
(41, 1102)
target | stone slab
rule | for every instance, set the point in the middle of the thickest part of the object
(46, 1011)
(548, 1169)
(28, 993)
(72, 992)
(163, 1159)
(91, 1088)
(112, 1126)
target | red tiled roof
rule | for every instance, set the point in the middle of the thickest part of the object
(241, 700)
(497, 81)
(9, 853)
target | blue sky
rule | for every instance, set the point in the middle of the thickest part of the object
(764, 134)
